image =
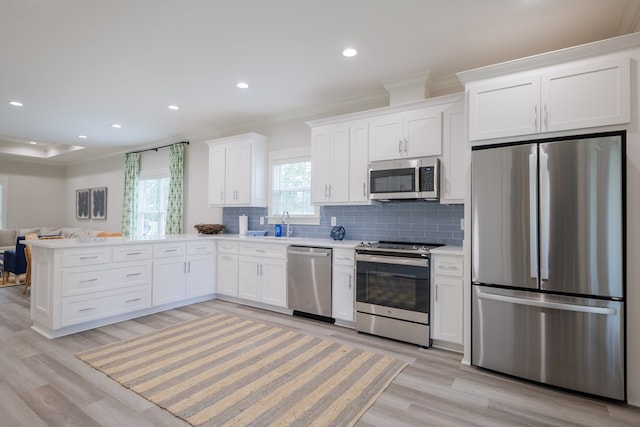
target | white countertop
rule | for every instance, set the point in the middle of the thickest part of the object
(448, 250)
(116, 241)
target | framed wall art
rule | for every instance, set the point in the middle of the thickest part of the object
(99, 203)
(83, 201)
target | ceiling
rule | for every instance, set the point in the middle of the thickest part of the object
(80, 66)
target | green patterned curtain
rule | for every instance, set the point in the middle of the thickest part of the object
(174, 205)
(130, 199)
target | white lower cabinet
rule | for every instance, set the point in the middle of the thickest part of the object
(183, 270)
(343, 288)
(447, 296)
(262, 273)
(227, 268)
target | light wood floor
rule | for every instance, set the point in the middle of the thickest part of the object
(43, 384)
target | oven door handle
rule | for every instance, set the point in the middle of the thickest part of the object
(418, 262)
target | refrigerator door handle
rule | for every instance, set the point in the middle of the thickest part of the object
(548, 304)
(533, 214)
(544, 215)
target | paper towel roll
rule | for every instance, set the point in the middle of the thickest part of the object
(244, 224)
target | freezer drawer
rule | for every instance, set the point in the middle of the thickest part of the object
(574, 343)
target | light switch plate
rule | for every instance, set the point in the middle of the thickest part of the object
(333, 221)
(462, 224)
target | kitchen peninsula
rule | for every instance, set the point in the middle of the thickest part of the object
(80, 284)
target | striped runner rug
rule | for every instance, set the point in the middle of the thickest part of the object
(225, 370)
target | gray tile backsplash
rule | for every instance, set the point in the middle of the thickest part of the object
(415, 221)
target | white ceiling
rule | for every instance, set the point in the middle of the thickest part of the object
(78, 66)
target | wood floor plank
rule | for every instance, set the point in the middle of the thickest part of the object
(43, 383)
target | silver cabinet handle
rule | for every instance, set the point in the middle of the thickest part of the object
(364, 188)
(350, 280)
(406, 146)
(89, 280)
(436, 293)
(134, 274)
(221, 195)
(133, 253)
(535, 117)
(86, 309)
(546, 118)
(133, 300)
(326, 191)
(89, 257)
(548, 304)
(400, 145)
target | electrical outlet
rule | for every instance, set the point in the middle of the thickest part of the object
(261, 220)
(333, 221)
(462, 224)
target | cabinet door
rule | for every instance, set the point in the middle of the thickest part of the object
(227, 275)
(447, 309)
(217, 173)
(249, 278)
(503, 109)
(385, 137)
(238, 174)
(592, 94)
(342, 296)
(200, 276)
(422, 130)
(274, 282)
(453, 155)
(168, 280)
(359, 162)
(321, 166)
(339, 183)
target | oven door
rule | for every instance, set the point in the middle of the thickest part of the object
(393, 286)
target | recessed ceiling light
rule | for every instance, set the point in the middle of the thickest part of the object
(243, 85)
(173, 107)
(82, 136)
(349, 52)
(16, 103)
(116, 125)
(32, 142)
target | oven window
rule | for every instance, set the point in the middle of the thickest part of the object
(396, 286)
(393, 181)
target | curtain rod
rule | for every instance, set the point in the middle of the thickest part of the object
(157, 148)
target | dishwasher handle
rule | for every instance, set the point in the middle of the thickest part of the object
(309, 254)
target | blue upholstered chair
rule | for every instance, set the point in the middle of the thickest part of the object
(15, 260)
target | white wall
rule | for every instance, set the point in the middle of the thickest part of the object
(106, 172)
(35, 194)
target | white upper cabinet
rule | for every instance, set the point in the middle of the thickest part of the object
(453, 163)
(340, 163)
(238, 171)
(573, 96)
(411, 133)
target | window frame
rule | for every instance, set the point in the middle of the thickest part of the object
(155, 174)
(291, 155)
(4, 197)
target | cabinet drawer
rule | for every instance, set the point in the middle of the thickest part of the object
(131, 253)
(344, 257)
(264, 250)
(105, 304)
(86, 256)
(196, 248)
(444, 265)
(167, 250)
(83, 280)
(227, 247)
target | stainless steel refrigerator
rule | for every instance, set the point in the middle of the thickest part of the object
(548, 262)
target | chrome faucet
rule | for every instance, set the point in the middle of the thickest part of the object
(286, 219)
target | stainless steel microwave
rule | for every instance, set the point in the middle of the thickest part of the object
(404, 179)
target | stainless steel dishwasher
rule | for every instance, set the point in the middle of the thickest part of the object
(309, 281)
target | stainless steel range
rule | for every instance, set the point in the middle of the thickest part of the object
(393, 290)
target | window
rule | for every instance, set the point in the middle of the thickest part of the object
(291, 187)
(3, 202)
(152, 206)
